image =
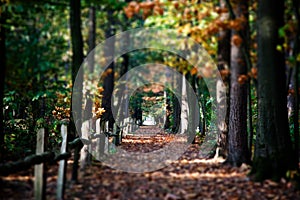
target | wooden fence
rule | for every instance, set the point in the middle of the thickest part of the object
(90, 138)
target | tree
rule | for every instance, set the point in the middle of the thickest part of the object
(193, 109)
(2, 77)
(91, 44)
(176, 109)
(237, 136)
(273, 155)
(296, 52)
(77, 58)
(223, 85)
(185, 108)
(76, 35)
(34, 65)
(108, 83)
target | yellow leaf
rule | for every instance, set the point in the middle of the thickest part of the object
(298, 58)
(279, 48)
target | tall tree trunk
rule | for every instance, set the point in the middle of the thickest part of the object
(223, 87)
(273, 153)
(168, 109)
(76, 36)
(202, 93)
(185, 111)
(237, 137)
(193, 109)
(77, 53)
(296, 52)
(246, 53)
(77, 58)
(176, 106)
(108, 83)
(91, 42)
(2, 78)
(85, 156)
(250, 120)
(35, 72)
(123, 99)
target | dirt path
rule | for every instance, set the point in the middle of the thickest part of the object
(187, 178)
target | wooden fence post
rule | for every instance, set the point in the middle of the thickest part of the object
(129, 125)
(85, 132)
(61, 179)
(39, 174)
(117, 132)
(106, 129)
(102, 139)
(126, 128)
(136, 126)
(98, 131)
(92, 123)
(122, 130)
(106, 144)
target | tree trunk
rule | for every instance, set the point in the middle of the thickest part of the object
(77, 58)
(91, 42)
(85, 156)
(202, 92)
(296, 52)
(193, 109)
(108, 83)
(237, 137)
(223, 85)
(185, 111)
(2, 79)
(168, 109)
(123, 99)
(77, 43)
(250, 120)
(273, 155)
(77, 53)
(176, 108)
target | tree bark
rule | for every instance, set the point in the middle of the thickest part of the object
(223, 87)
(185, 111)
(77, 43)
(296, 52)
(273, 154)
(77, 54)
(202, 92)
(123, 99)
(237, 137)
(108, 83)
(2, 79)
(91, 43)
(193, 109)
(77, 58)
(176, 107)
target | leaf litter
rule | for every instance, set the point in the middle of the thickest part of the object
(189, 177)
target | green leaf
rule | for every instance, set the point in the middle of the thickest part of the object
(281, 32)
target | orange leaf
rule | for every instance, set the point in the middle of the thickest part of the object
(236, 40)
(242, 79)
(194, 71)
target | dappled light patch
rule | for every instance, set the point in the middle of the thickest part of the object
(190, 177)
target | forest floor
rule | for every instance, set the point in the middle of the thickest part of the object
(190, 177)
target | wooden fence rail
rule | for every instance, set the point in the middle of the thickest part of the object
(26, 163)
(41, 158)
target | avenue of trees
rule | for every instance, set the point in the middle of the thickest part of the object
(255, 45)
